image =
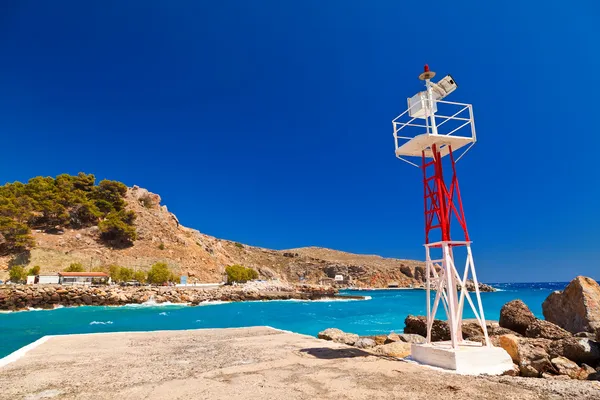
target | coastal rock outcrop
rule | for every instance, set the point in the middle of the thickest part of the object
(516, 316)
(577, 308)
(19, 297)
(339, 336)
(470, 285)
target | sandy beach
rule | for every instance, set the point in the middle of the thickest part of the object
(244, 363)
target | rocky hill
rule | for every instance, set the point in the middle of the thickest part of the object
(160, 237)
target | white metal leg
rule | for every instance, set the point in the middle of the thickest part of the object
(447, 283)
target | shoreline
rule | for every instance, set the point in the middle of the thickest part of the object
(333, 298)
(49, 297)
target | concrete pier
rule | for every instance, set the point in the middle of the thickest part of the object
(245, 363)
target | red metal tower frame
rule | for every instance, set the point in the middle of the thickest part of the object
(441, 203)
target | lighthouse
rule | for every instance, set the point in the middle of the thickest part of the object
(433, 134)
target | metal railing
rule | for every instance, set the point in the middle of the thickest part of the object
(408, 128)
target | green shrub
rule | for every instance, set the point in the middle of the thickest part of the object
(17, 274)
(174, 278)
(140, 276)
(239, 245)
(159, 273)
(125, 274)
(75, 267)
(34, 271)
(161, 246)
(238, 273)
(252, 274)
(146, 201)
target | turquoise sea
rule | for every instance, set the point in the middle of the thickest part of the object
(384, 311)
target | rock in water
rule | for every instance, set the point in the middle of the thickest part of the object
(577, 308)
(546, 330)
(396, 349)
(339, 336)
(580, 350)
(516, 316)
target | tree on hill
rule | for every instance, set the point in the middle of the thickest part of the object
(159, 273)
(117, 228)
(15, 236)
(17, 274)
(49, 204)
(125, 274)
(239, 273)
(140, 276)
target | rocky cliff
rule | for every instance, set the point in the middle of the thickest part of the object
(202, 257)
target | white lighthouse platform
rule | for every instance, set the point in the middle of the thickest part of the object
(424, 142)
(469, 358)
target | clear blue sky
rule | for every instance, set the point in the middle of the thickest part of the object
(268, 122)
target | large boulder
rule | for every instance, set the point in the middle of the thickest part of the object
(564, 366)
(379, 339)
(339, 336)
(395, 349)
(418, 324)
(441, 331)
(471, 329)
(516, 316)
(392, 337)
(577, 308)
(365, 343)
(412, 338)
(529, 354)
(546, 330)
(579, 350)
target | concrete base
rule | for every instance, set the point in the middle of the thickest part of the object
(470, 358)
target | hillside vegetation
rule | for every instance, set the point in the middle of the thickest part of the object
(55, 222)
(53, 204)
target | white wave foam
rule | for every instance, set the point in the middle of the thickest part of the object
(153, 303)
(101, 323)
(163, 313)
(213, 302)
(337, 299)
